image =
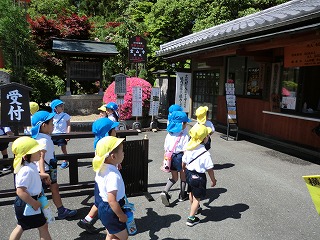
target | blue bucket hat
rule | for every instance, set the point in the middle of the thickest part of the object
(55, 103)
(101, 128)
(37, 119)
(176, 120)
(112, 105)
(173, 108)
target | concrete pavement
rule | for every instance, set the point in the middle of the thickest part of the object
(260, 194)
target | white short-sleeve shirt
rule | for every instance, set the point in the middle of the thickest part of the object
(202, 163)
(109, 179)
(171, 138)
(209, 124)
(28, 177)
(46, 140)
(60, 122)
(4, 130)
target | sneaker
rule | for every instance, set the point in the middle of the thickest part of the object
(88, 226)
(67, 213)
(6, 168)
(193, 222)
(183, 198)
(165, 197)
(64, 165)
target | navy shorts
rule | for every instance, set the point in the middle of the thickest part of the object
(59, 142)
(27, 222)
(176, 162)
(3, 146)
(197, 183)
(109, 219)
(97, 198)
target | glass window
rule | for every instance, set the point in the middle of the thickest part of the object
(236, 72)
(289, 88)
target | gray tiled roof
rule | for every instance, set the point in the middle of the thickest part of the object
(290, 13)
(84, 47)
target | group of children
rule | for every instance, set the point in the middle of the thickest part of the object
(35, 167)
(190, 158)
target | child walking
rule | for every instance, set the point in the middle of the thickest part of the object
(29, 187)
(112, 111)
(109, 153)
(202, 118)
(175, 142)
(196, 161)
(61, 123)
(42, 126)
(101, 128)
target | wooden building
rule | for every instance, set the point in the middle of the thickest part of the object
(273, 58)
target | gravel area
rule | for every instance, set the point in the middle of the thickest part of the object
(84, 118)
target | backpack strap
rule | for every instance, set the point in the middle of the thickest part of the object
(197, 157)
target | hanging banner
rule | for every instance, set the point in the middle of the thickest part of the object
(137, 101)
(313, 185)
(183, 90)
(154, 101)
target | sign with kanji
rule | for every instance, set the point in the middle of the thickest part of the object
(137, 101)
(313, 185)
(154, 101)
(15, 104)
(120, 84)
(137, 50)
(183, 90)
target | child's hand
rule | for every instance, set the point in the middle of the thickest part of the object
(46, 178)
(123, 218)
(213, 182)
(36, 205)
(119, 166)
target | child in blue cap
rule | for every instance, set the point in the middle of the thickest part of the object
(61, 123)
(112, 111)
(173, 108)
(42, 127)
(175, 141)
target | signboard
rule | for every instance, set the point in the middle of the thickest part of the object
(137, 50)
(154, 101)
(137, 101)
(15, 107)
(120, 84)
(231, 103)
(313, 185)
(253, 83)
(183, 90)
(85, 70)
(304, 54)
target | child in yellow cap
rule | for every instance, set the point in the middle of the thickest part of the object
(29, 187)
(196, 161)
(109, 153)
(34, 107)
(202, 118)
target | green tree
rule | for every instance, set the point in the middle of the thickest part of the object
(15, 40)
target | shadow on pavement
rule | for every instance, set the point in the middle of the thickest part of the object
(217, 214)
(222, 166)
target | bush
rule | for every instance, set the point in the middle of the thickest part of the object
(44, 88)
(126, 108)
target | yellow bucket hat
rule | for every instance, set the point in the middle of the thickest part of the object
(34, 107)
(23, 146)
(197, 133)
(201, 114)
(103, 149)
(102, 108)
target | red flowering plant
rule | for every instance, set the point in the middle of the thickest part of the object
(125, 109)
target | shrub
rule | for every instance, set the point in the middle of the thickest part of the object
(126, 108)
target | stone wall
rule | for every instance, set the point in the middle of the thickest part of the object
(82, 104)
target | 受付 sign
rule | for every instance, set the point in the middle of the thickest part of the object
(15, 104)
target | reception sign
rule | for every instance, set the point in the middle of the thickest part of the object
(304, 54)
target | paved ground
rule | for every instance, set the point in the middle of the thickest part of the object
(259, 195)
